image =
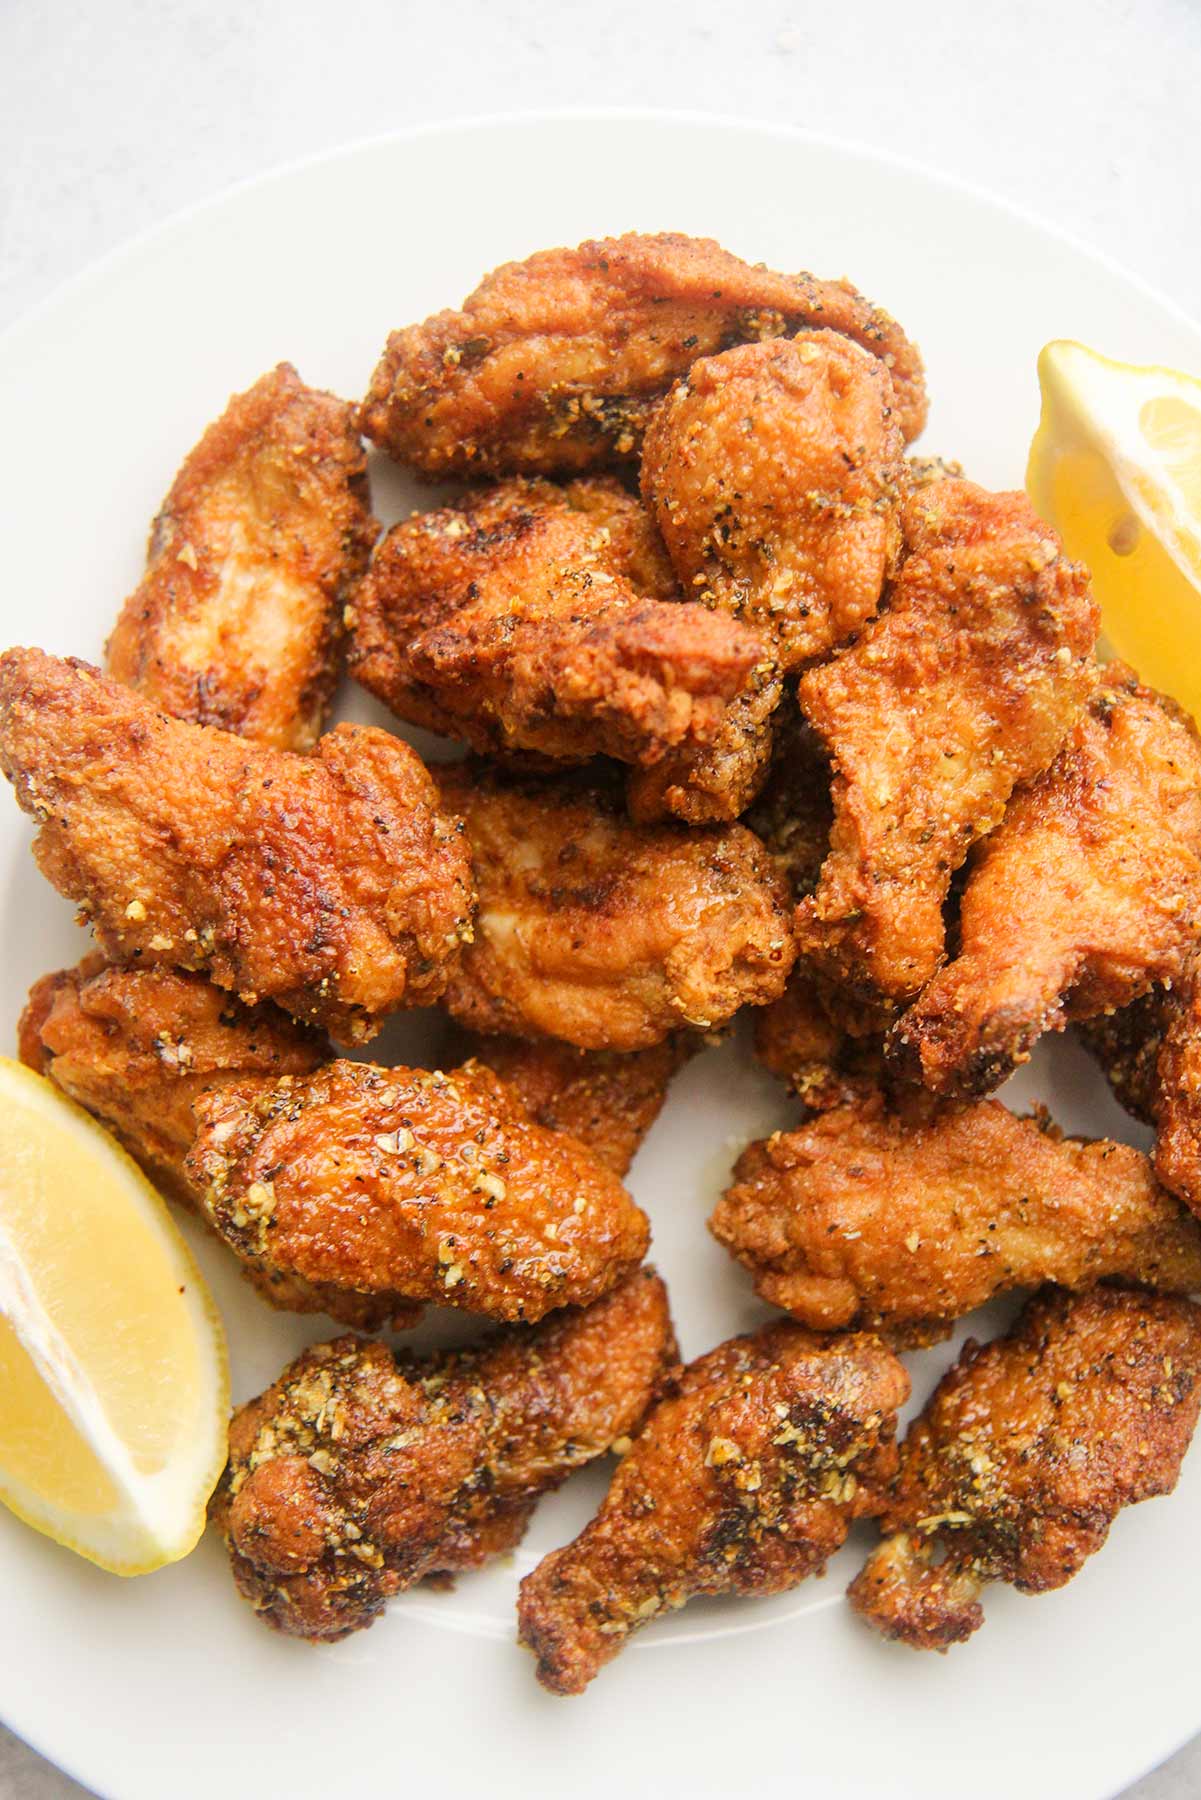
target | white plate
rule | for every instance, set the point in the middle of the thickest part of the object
(168, 1685)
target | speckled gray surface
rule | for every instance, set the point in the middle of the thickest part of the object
(115, 115)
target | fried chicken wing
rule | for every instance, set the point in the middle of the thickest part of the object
(633, 546)
(1026, 1453)
(330, 884)
(1087, 893)
(793, 813)
(963, 688)
(136, 1046)
(866, 1217)
(609, 1099)
(609, 935)
(238, 620)
(410, 1184)
(361, 1472)
(557, 363)
(506, 622)
(774, 473)
(1151, 1053)
(744, 1480)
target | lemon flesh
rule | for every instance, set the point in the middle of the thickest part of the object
(114, 1390)
(1115, 466)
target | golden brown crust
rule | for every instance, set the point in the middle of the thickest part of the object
(506, 621)
(407, 1184)
(1026, 1453)
(634, 547)
(610, 935)
(557, 363)
(965, 686)
(137, 1046)
(359, 1472)
(744, 1479)
(1086, 894)
(267, 527)
(864, 1217)
(609, 1099)
(774, 473)
(330, 884)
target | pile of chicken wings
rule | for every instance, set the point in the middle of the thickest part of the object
(761, 714)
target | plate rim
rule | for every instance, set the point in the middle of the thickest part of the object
(76, 286)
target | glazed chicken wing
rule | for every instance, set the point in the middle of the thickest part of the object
(863, 1217)
(506, 621)
(330, 884)
(609, 935)
(266, 530)
(744, 1480)
(361, 1472)
(773, 472)
(1026, 1453)
(1087, 893)
(963, 688)
(557, 363)
(136, 1046)
(1151, 1053)
(411, 1185)
(609, 1099)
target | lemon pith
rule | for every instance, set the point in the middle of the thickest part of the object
(113, 1378)
(1115, 466)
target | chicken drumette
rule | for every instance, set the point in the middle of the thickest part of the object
(866, 1217)
(558, 363)
(403, 1185)
(331, 884)
(238, 619)
(361, 1472)
(744, 1480)
(1025, 1454)
(1086, 894)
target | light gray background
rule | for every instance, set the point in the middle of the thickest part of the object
(116, 113)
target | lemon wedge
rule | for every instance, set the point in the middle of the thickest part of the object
(1115, 466)
(113, 1384)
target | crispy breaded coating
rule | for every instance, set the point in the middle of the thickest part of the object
(774, 472)
(633, 547)
(609, 935)
(408, 1185)
(238, 619)
(823, 1062)
(330, 884)
(1151, 1054)
(744, 1480)
(963, 688)
(558, 362)
(505, 622)
(1028, 1450)
(869, 1218)
(714, 782)
(1087, 893)
(609, 1099)
(361, 1472)
(136, 1046)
